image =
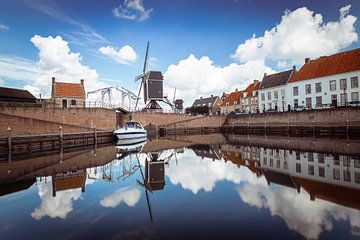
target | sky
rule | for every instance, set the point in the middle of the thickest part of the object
(202, 47)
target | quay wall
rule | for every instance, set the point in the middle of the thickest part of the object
(30, 126)
(154, 118)
(103, 119)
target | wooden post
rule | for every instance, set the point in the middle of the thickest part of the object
(9, 138)
(95, 135)
(61, 136)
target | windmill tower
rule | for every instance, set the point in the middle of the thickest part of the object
(152, 85)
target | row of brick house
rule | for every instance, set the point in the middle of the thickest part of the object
(327, 81)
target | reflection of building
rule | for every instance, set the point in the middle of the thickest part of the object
(206, 151)
(154, 173)
(69, 180)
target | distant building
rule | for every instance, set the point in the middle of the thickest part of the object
(212, 102)
(16, 95)
(179, 105)
(68, 95)
(231, 104)
(249, 98)
(329, 80)
(272, 91)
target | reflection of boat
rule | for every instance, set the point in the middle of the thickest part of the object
(133, 145)
(131, 130)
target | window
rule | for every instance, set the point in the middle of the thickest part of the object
(73, 102)
(354, 82)
(308, 102)
(270, 106)
(235, 103)
(318, 101)
(343, 84)
(64, 103)
(347, 176)
(269, 95)
(333, 85)
(318, 87)
(336, 174)
(276, 96)
(278, 163)
(320, 158)
(271, 162)
(310, 157)
(298, 168)
(311, 170)
(336, 160)
(227, 103)
(262, 96)
(263, 107)
(355, 97)
(296, 91)
(357, 177)
(283, 93)
(285, 165)
(308, 88)
(321, 172)
(296, 103)
(297, 155)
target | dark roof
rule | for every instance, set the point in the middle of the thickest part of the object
(279, 178)
(276, 79)
(329, 65)
(205, 101)
(154, 75)
(15, 93)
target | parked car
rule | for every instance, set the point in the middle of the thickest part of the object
(300, 108)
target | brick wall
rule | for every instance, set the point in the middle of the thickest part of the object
(155, 118)
(30, 126)
(103, 119)
(206, 121)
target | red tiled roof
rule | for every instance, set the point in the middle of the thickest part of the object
(252, 87)
(329, 65)
(234, 96)
(69, 90)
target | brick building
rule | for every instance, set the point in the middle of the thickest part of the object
(249, 98)
(68, 95)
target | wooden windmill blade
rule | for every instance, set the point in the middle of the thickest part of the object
(142, 76)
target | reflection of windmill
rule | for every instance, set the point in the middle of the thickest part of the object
(152, 86)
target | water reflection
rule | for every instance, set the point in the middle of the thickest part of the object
(312, 185)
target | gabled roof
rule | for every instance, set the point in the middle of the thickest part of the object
(329, 65)
(276, 79)
(252, 87)
(233, 96)
(15, 93)
(205, 101)
(69, 90)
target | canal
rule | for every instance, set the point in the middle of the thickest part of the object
(185, 187)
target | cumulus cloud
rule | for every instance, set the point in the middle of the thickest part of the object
(196, 174)
(57, 60)
(309, 218)
(301, 33)
(18, 68)
(130, 196)
(125, 55)
(132, 10)
(4, 27)
(194, 77)
(55, 207)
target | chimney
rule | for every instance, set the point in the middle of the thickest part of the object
(82, 81)
(264, 74)
(307, 60)
(200, 97)
(53, 80)
(236, 89)
(212, 95)
(256, 82)
(294, 68)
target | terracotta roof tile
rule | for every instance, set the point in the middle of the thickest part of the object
(329, 65)
(69, 90)
(234, 96)
(252, 87)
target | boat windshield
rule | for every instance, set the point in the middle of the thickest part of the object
(133, 125)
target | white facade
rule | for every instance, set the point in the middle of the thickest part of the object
(310, 95)
(272, 98)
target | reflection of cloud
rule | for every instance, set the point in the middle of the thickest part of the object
(194, 174)
(58, 206)
(130, 196)
(307, 217)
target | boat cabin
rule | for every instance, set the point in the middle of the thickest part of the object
(136, 125)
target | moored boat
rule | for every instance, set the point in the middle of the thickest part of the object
(131, 130)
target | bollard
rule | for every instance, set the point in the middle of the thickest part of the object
(95, 135)
(9, 137)
(61, 136)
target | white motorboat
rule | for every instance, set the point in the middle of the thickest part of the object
(133, 145)
(131, 130)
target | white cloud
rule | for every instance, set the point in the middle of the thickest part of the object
(301, 33)
(55, 207)
(130, 196)
(194, 77)
(17, 68)
(4, 27)
(125, 55)
(309, 218)
(56, 59)
(132, 10)
(196, 174)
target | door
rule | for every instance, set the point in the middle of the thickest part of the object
(64, 103)
(334, 100)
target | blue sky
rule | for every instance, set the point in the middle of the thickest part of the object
(176, 29)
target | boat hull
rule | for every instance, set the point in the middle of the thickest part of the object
(123, 136)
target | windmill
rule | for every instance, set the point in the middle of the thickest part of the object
(152, 86)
